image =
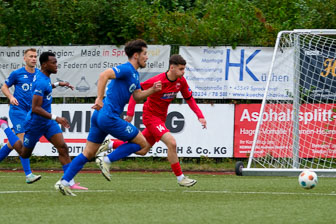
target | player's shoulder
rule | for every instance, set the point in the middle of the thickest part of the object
(18, 71)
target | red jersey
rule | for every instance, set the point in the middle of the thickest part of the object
(157, 103)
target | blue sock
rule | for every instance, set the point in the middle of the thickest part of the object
(123, 151)
(12, 138)
(65, 167)
(4, 152)
(26, 165)
(75, 166)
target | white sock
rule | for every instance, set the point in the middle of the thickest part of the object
(72, 182)
(65, 183)
(179, 178)
(106, 159)
(4, 126)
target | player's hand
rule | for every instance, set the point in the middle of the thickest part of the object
(13, 101)
(98, 104)
(157, 86)
(64, 122)
(66, 84)
(128, 118)
(203, 122)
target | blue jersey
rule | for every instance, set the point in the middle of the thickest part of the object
(41, 87)
(120, 89)
(22, 81)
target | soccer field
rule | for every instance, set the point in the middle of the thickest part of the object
(135, 197)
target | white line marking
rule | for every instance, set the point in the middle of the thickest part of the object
(186, 191)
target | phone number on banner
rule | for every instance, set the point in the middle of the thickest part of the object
(209, 94)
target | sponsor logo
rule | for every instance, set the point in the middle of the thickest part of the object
(129, 129)
(170, 95)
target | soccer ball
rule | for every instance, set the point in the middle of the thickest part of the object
(308, 179)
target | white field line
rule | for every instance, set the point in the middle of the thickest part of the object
(186, 191)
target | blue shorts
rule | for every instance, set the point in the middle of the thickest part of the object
(34, 132)
(102, 125)
(18, 118)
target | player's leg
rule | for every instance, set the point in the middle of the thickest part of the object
(55, 136)
(94, 140)
(122, 130)
(109, 145)
(14, 141)
(30, 177)
(170, 142)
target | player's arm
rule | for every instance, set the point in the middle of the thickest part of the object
(7, 93)
(130, 109)
(194, 107)
(101, 86)
(37, 109)
(63, 84)
(140, 95)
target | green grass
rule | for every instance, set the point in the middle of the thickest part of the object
(138, 163)
(137, 197)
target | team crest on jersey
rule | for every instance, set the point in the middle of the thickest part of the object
(178, 85)
(25, 87)
(25, 76)
(18, 127)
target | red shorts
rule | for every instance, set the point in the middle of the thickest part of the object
(154, 130)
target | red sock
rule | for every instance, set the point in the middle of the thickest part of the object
(117, 143)
(176, 169)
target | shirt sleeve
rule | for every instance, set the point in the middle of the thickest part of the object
(120, 71)
(11, 80)
(39, 88)
(185, 89)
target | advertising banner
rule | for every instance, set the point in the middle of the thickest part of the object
(317, 130)
(81, 65)
(240, 73)
(192, 140)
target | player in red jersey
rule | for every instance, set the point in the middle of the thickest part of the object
(155, 112)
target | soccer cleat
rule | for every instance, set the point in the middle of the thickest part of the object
(104, 167)
(3, 120)
(104, 146)
(187, 182)
(31, 178)
(77, 187)
(65, 190)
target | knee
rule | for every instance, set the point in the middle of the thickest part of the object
(172, 145)
(63, 150)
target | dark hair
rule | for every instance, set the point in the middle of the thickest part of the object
(44, 57)
(29, 49)
(134, 46)
(177, 59)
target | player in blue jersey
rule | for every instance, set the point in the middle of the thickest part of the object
(20, 104)
(39, 120)
(106, 117)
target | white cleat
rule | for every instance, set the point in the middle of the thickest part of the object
(65, 190)
(187, 182)
(104, 167)
(104, 146)
(31, 178)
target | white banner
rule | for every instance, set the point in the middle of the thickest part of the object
(240, 73)
(192, 140)
(81, 65)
